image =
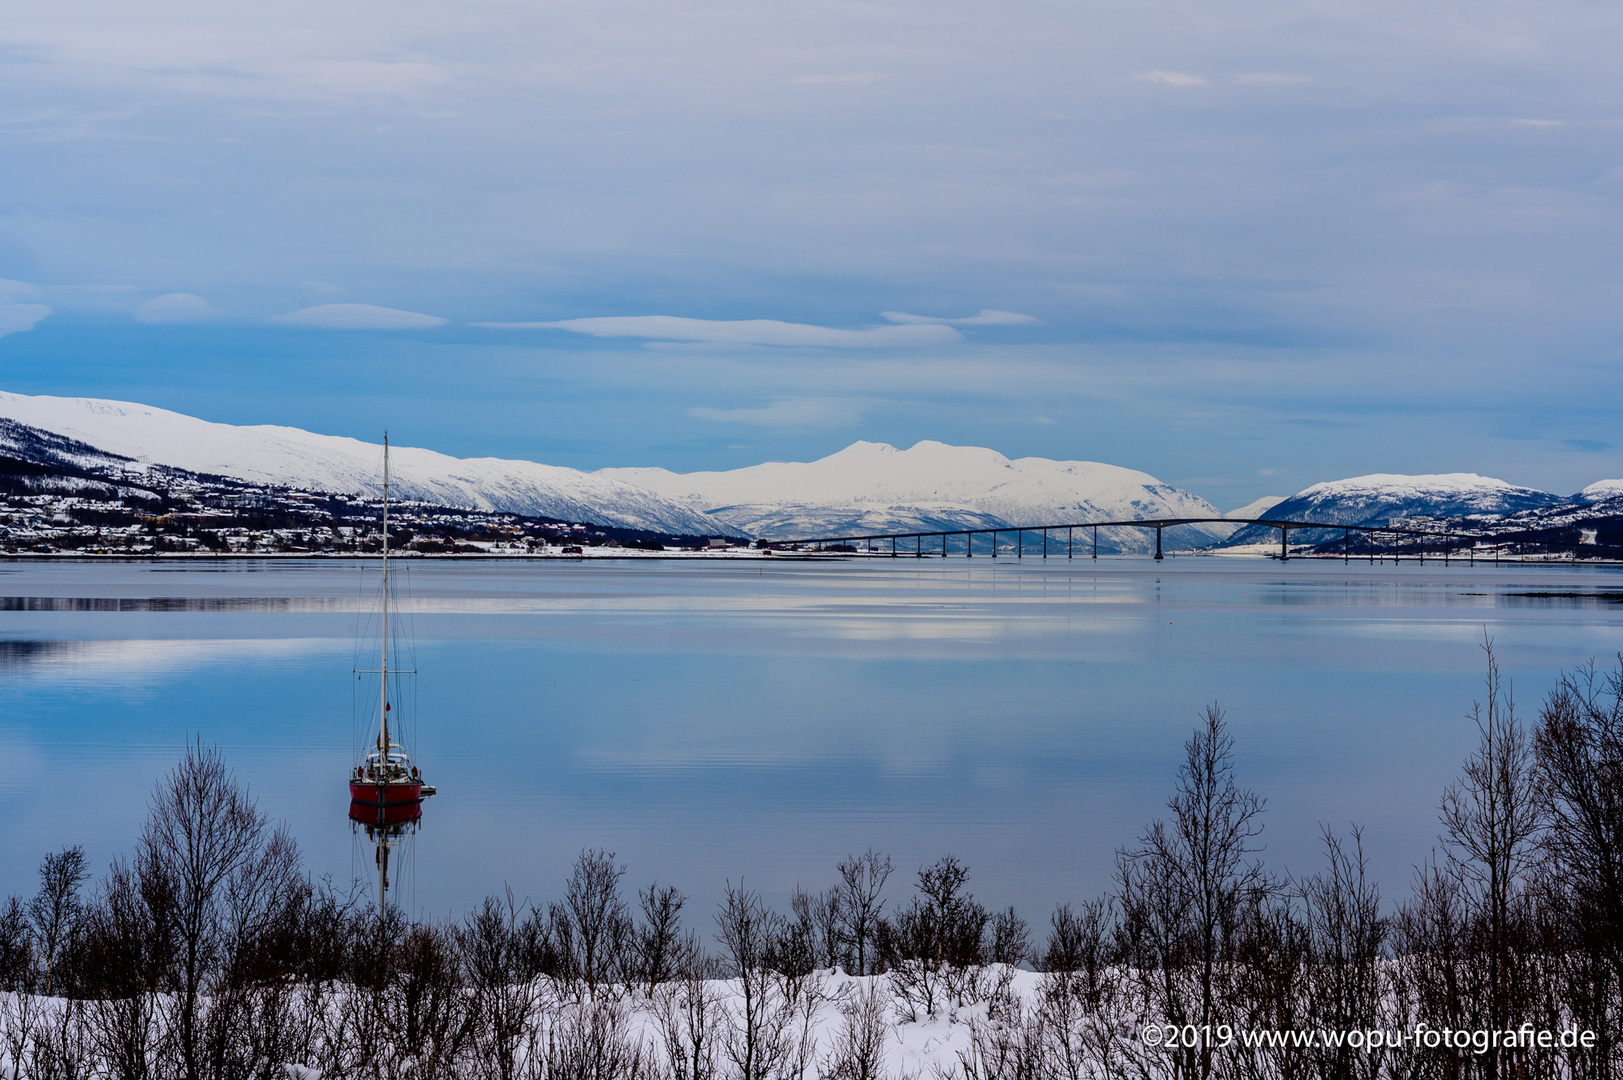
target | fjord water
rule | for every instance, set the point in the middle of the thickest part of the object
(709, 720)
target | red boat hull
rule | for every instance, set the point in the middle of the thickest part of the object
(385, 794)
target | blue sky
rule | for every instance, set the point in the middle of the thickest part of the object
(1245, 247)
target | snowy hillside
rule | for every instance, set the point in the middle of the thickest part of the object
(1601, 491)
(876, 488)
(1379, 498)
(289, 456)
(1257, 508)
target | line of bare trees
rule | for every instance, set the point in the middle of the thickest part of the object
(210, 953)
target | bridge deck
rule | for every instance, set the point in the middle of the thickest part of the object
(1448, 540)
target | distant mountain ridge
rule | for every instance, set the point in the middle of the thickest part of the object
(296, 458)
(874, 487)
(866, 488)
(1379, 499)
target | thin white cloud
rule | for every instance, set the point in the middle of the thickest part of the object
(745, 332)
(987, 317)
(1270, 77)
(788, 413)
(359, 317)
(1170, 78)
(1534, 122)
(15, 318)
(836, 79)
(177, 307)
(12, 291)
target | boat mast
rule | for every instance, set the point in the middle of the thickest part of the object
(383, 681)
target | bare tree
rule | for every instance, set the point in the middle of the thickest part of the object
(863, 880)
(1491, 817)
(1346, 934)
(688, 1011)
(500, 945)
(1011, 939)
(593, 926)
(1579, 750)
(859, 1050)
(593, 1041)
(16, 946)
(754, 1039)
(120, 936)
(821, 915)
(935, 946)
(1184, 884)
(201, 828)
(55, 911)
(659, 940)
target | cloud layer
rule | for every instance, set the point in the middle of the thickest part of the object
(987, 317)
(177, 308)
(359, 317)
(749, 331)
(1382, 234)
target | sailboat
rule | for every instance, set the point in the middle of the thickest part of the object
(386, 791)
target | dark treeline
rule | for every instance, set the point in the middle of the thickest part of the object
(210, 953)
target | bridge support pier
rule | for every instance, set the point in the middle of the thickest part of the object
(1346, 545)
(1158, 542)
(1284, 546)
(1068, 541)
(1096, 541)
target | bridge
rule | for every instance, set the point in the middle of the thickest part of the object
(1397, 538)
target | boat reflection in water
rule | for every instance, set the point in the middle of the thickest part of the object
(386, 791)
(386, 825)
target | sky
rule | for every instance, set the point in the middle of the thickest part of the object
(1244, 247)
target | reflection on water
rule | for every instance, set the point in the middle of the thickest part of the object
(712, 719)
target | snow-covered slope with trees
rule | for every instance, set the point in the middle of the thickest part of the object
(1380, 498)
(297, 458)
(876, 488)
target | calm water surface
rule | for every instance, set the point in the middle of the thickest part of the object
(715, 719)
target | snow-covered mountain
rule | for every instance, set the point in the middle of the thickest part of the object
(292, 457)
(1257, 508)
(1601, 491)
(1381, 497)
(876, 488)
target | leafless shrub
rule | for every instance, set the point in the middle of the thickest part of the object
(934, 948)
(592, 1041)
(1011, 939)
(660, 948)
(1579, 751)
(201, 830)
(16, 946)
(1183, 886)
(1009, 1049)
(1080, 950)
(501, 945)
(822, 915)
(55, 912)
(755, 1033)
(1491, 816)
(859, 1051)
(592, 928)
(688, 1010)
(1346, 935)
(862, 883)
(122, 938)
